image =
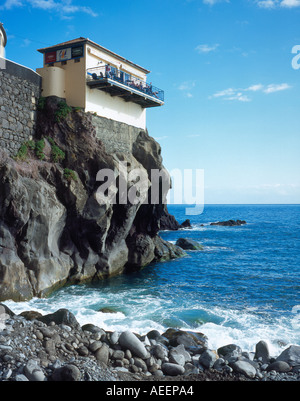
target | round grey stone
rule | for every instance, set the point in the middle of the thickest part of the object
(129, 341)
(208, 358)
(245, 368)
(33, 371)
(172, 369)
(262, 351)
(279, 366)
(67, 373)
(102, 354)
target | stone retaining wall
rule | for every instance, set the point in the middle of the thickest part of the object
(20, 90)
(116, 136)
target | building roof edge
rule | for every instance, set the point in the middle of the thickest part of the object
(90, 42)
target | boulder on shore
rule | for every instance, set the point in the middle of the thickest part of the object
(128, 340)
(291, 355)
(189, 244)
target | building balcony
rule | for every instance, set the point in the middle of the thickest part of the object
(119, 83)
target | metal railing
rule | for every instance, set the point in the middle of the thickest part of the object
(110, 72)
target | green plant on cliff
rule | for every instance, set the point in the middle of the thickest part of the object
(22, 153)
(30, 144)
(41, 103)
(63, 111)
(56, 153)
(39, 149)
(70, 174)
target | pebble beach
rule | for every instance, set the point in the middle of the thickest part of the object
(54, 347)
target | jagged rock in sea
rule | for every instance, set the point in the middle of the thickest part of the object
(229, 223)
(53, 230)
(189, 244)
(168, 222)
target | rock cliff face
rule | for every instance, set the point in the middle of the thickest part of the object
(54, 230)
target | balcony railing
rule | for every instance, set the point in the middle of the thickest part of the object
(111, 73)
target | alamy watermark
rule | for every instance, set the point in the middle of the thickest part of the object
(296, 59)
(137, 186)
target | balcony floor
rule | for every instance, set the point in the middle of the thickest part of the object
(127, 93)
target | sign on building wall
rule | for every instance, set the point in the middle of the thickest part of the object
(50, 57)
(77, 52)
(64, 54)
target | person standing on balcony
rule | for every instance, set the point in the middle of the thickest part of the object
(150, 88)
(108, 71)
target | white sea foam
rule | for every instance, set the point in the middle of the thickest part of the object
(141, 312)
(246, 329)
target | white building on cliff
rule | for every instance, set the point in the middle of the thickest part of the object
(3, 40)
(98, 80)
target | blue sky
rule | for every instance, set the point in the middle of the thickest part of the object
(232, 95)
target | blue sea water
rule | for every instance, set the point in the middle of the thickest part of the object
(243, 287)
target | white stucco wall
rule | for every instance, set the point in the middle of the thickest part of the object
(115, 108)
(104, 104)
(2, 48)
(54, 81)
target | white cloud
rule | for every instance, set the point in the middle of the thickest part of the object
(267, 3)
(12, 3)
(187, 87)
(232, 94)
(290, 3)
(64, 7)
(276, 88)
(271, 4)
(242, 96)
(206, 48)
(226, 92)
(255, 88)
(26, 43)
(213, 2)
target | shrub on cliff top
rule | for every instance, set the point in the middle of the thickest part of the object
(56, 153)
(70, 174)
(63, 111)
(39, 149)
(22, 153)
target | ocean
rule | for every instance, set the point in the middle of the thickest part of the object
(243, 287)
